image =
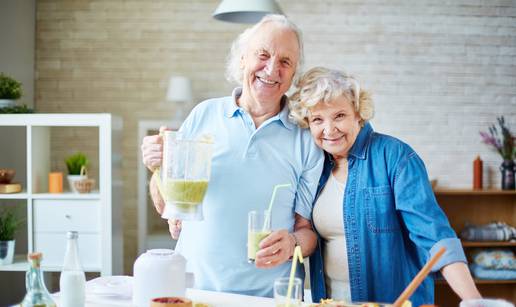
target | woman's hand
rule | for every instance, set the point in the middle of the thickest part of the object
(152, 150)
(275, 249)
(174, 227)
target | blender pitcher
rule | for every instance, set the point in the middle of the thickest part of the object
(184, 175)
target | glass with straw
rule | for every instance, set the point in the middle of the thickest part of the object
(259, 226)
(287, 290)
(258, 229)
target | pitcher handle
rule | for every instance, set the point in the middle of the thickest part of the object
(157, 171)
(157, 178)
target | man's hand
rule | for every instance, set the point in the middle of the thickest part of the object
(152, 150)
(275, 249)
(174, 227)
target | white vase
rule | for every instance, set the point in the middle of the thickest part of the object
(74, 178)
(6, 252)
(6, 103)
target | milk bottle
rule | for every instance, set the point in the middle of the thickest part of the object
(72, 281)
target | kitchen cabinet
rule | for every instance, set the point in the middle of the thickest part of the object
(95, 215)
(478, 207)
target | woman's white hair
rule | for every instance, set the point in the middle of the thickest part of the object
(321, 84)
(234, 71)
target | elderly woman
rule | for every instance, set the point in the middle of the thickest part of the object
(375, 213)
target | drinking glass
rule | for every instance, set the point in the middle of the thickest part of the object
(258, 228)
(281, 289)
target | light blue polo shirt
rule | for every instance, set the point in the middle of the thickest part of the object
(247, 163)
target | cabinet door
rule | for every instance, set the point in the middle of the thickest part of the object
(54, 217)
(53, 247)
(63, 215)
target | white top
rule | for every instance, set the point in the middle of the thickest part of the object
(329, 222)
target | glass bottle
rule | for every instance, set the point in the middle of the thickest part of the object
(72, 281)
(37, 293)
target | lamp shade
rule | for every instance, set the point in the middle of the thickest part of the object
(245, 11)
(179, 89)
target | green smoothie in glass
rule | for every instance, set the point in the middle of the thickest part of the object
(258, 228)
(253, 243)
(185, 193)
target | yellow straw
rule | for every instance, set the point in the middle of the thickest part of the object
(297, 256)
(268, 216)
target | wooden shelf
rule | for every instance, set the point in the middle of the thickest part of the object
(488, 244)
(480, 282)
(477, 207)
(451, 191)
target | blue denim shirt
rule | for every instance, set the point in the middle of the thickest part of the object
(392, 222)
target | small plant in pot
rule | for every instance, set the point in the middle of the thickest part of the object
(10, 90)
(8, 226)
(76, 165)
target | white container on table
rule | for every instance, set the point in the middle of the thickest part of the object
(158, 273)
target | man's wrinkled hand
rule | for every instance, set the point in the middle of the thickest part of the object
(174, 227)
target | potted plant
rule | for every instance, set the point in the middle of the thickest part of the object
(10, 90)
(504, 142)
(76, 165)
(8, 226)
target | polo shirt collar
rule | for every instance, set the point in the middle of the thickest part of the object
(231, 108)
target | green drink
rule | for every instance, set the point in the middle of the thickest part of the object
(253, 243)
(185, 193)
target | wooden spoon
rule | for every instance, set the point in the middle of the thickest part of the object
(418, 279)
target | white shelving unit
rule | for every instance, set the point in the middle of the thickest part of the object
(96, 215)
(146, 238)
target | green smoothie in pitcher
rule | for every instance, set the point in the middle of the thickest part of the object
(253, 241)
(185, 193)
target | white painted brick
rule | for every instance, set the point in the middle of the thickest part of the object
(440, 71)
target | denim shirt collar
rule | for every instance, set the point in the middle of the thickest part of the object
(231, 109)
(359, 148)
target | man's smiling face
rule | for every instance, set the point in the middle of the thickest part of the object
(269, 63)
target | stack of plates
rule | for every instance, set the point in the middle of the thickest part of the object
(111, 290)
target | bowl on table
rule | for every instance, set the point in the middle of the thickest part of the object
(6, 175)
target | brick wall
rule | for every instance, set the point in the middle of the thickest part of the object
(440, 71)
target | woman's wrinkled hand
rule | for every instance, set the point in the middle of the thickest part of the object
(275, 249)
(174, 227)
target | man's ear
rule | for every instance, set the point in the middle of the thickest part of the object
(242, 65)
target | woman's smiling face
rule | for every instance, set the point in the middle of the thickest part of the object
(334, 126)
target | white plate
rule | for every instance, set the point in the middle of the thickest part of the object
(116, 286)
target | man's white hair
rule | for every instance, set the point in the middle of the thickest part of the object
(234, 71)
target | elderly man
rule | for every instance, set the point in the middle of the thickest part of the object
(256, 148)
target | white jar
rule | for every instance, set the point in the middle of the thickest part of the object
(158, 273)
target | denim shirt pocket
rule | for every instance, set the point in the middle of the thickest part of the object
(380, 210)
